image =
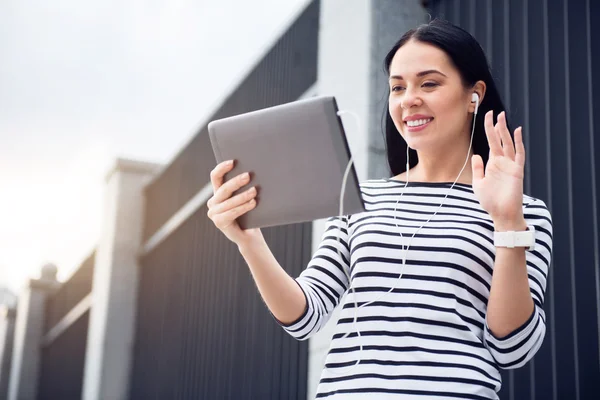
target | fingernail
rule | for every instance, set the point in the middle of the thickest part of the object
(229, 162)
(245, 176)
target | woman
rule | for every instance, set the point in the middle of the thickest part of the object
(435, 307)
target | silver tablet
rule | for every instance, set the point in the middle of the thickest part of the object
(296, 154)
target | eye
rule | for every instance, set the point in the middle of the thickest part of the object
(397, 88)
(430, 84)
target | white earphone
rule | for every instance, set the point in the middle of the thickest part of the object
(474, 99)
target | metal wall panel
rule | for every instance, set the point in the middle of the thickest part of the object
(70, 293)
(284, 74)
(7, 336)
(203, 331)
(545, 55)
(62, 363)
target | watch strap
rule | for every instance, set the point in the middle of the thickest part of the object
(512, 239)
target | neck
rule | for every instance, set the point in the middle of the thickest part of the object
(443, 167)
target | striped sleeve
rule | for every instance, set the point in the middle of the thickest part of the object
(517, 348)
(324, 281)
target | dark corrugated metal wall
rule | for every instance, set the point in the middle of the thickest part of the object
(70, 293)
(202, 330)
(6, 361)
(63, 360)
(545, 55)
(62, 364)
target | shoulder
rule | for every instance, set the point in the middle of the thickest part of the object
(375, 186)
(533, 204)
(536, 213)
(378, 182)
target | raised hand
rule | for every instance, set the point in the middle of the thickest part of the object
(499, 188)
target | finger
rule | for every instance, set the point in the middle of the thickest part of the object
(520, 148)
(227, 189)
(492, 136)
(210, 203)
(234, 202)
(477, 166)
(217, 174)
(507, 144)
(225, 219)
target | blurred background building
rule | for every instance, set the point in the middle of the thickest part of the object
(164, 306)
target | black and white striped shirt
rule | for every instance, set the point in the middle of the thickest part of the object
(428, 338)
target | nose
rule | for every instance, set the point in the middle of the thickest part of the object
(410, 99)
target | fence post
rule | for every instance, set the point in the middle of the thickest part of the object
(7, 333)
(29, 330)
(114, 289)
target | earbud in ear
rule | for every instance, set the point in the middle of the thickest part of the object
(475, 99)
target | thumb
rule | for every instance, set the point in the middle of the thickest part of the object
(477, 166)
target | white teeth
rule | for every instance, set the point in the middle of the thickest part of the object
(418, 122)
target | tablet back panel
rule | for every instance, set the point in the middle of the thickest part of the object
(296, 154)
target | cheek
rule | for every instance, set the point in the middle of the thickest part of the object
(449, 113)
(454, 115)
(394, 105)
(442, 105)
(395, 109)
(396, 114)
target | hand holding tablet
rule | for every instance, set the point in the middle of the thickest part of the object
(296, 154)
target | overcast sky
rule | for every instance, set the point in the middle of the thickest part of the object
(85, 81)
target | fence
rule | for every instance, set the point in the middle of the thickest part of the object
(65, 335)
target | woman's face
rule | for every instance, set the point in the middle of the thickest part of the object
(428, 102)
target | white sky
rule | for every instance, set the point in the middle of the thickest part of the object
(83, 82)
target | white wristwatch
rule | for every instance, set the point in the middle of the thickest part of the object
(512, 239)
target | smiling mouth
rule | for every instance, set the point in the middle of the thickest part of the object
(418, 122)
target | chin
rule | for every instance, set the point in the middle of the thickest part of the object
(420, 142)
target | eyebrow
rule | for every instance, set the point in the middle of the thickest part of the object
(420, 74)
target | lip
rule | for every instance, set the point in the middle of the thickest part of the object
(416, 116)
(416, 128)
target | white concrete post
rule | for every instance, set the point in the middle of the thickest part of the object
(29, 326)
(114, 289)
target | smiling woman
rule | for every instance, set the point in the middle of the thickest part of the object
(441, 282)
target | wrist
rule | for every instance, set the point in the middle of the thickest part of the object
(505, 225)
(250, 244)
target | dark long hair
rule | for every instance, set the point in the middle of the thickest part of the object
(470, 61)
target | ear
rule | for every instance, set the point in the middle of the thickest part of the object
(479, 88)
